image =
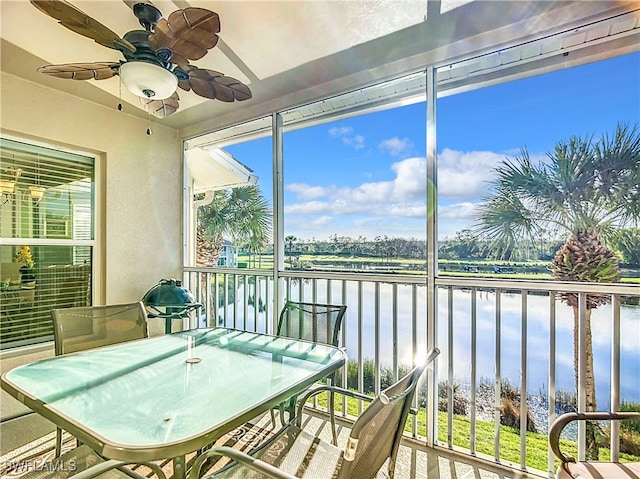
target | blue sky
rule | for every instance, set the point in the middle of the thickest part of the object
(364, 176)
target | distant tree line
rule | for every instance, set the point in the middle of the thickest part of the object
(382, 247)
(464, 245)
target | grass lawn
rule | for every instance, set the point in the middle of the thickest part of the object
(324, 261)
(536, 443)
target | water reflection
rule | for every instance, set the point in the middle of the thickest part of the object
(373, 322)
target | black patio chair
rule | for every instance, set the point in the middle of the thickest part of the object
(82, 328)
(570, 468)
(315, 322)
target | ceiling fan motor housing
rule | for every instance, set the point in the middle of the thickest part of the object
(147, 15)
(144, 51)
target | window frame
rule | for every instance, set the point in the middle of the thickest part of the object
(96, 244)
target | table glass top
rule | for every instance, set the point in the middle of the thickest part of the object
(167, 389)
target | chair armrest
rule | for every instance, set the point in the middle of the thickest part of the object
(241, 458)
(330, 389)
(335, 390)
(559, 424)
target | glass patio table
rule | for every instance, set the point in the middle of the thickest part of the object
(166, 396)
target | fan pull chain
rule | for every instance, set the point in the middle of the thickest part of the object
(149, 132)
(119, 93)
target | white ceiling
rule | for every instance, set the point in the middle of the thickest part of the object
(291, 52)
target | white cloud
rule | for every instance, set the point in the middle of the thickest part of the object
(462, 182)
(356, 141)
(311, 208)
(403, 196)
(395, 146)
(340, 131)
(410, 181)
(464, 175)
(307, 192)
(348, 137)
(457, 211)
(322, 221)
(454, 217)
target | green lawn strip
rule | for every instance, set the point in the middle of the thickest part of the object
(267, 263)
(536, 443)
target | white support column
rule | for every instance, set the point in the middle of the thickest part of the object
(432, 248)
(278, 217)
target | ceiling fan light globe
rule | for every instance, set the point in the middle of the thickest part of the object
(147, 80)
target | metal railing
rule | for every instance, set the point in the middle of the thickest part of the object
(496, 337)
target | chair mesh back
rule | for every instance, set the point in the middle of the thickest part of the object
(77, 329)
(379, 428)
(319, 323)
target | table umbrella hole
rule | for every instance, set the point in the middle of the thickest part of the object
(193, 360)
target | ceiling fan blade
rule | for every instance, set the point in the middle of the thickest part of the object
(79, 22)
(188, 33)
(214, 85)
(161, 108)
(81, 71)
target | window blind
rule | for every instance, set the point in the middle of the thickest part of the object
(46, 241)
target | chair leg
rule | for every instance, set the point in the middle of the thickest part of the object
(332, 410)
(58, 442)
(392, 468)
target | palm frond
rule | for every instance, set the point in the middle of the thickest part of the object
(504, 222)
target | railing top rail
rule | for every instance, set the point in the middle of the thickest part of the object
(305, 274)
(222, 270)
(456, 282)
(541, 285)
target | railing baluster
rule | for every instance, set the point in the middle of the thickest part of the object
(208, 309)
(345, 328)
(615, 375)
(376, 340)
(552, 376)
(474, 359)
(245, 301)
(498, 379)
(394, 334)
(235, 303)
(414, 350)
(225, 282)
(523, 383)
(360, 344)
(314, 290)
(450, 370)
(269, 283)
(582, 357)
(215, 298)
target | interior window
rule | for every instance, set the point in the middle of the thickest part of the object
(47, 237)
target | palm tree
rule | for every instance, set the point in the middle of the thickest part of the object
(289, 241)
(587, 189)
(240, 214)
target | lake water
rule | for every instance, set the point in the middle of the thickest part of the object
(537, 335)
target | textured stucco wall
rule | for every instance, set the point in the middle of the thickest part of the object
(142, 188)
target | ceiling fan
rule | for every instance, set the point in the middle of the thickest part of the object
(156, 58)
